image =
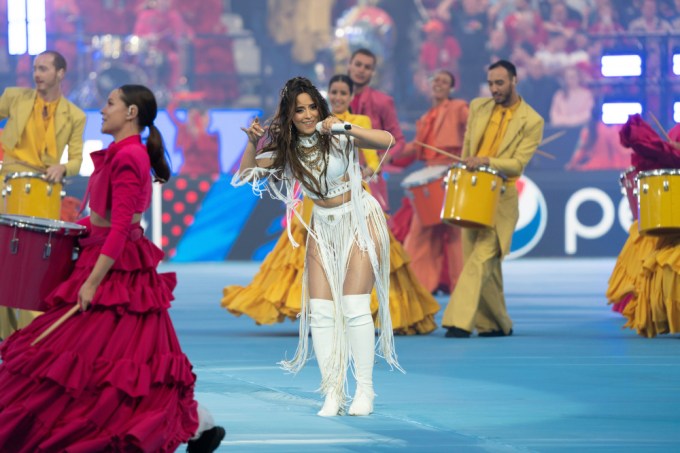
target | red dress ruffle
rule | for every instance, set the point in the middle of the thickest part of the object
(113, 378)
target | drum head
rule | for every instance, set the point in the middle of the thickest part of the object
(659, 172)
(42, 225)
(484, 169)
(424, 176)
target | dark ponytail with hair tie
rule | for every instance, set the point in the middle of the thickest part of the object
(156, 149)
(147, 109)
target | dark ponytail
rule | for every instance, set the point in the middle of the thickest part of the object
(156, 150)
(147, 109)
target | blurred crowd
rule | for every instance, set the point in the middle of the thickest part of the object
(233, 53)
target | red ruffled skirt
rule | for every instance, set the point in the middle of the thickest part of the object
(113, 378)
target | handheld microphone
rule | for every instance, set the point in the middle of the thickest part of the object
(337, 128)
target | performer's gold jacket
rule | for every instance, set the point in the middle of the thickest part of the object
(522, 137)
(69, 126)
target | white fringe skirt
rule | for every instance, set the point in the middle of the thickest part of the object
(339, 232)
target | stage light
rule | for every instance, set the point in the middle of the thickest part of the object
(621, 65)
(37, 30)
(618, 112)
(676, 112)
(16, 27)
(26, 30)
(676, 63)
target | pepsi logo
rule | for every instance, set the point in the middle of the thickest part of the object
(533, 218)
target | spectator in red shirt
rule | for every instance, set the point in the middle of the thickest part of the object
(438, 51)
(199, 147)
(107, 17)
(165, 30)
(213, 67)
(525, 26)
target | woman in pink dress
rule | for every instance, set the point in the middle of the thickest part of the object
(112, 377)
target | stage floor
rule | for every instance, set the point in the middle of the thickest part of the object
(569, 379)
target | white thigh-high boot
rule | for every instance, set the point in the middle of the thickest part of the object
(322, 326)
(361, 333)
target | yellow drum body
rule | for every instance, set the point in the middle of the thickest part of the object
(659, 201)
(472, 196)
(30, 194)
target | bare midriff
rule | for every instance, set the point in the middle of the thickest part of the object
(335, 201)
(100, 221)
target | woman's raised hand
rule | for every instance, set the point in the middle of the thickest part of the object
(327, 123)
(254, 132)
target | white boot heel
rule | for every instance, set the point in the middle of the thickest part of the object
(361, 332)
(362, 404)
(331, 406)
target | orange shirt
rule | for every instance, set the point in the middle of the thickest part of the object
(428, 136)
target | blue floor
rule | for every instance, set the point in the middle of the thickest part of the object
(570, 379)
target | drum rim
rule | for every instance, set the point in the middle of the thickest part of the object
(24, 222)
(659, 172)
(407, 185)
(623, 176)
(26, 174)
(630, 169)
(484, 168)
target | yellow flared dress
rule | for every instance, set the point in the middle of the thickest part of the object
(629, 265)
(655, 306)
(275, 292)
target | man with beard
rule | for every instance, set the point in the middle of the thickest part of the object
(379, 107)
(41, 123)
(502, 133)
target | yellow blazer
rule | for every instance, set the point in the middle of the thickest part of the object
(69, 126)
(522, 137)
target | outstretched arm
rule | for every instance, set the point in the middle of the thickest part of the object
(249, 160)
(363, 138)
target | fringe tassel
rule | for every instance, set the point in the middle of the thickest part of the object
(337, 231)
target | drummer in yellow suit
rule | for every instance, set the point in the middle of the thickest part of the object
(502, 133)
(41, 124)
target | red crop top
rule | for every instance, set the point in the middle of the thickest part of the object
(120, 185)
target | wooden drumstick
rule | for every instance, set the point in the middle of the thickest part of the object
(441, 151)
(544, 154)
(658, 124)
(56, 324)
(437, 150)
(552, 138)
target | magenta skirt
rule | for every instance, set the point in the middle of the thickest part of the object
(113, 378)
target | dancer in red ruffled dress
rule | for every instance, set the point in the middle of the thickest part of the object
(113, 377)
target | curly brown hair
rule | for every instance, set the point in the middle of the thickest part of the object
(282, 135)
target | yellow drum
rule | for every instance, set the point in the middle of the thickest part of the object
(30, 194)
(472, 196)
(659, 199)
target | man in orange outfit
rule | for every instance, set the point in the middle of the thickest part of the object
(443, 127)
